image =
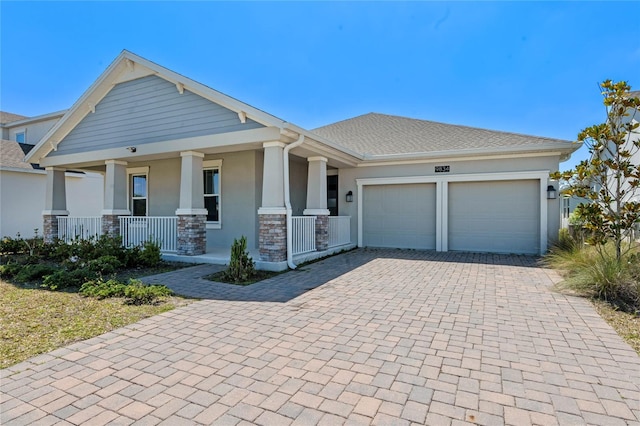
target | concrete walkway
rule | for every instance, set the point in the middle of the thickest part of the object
(368, 337)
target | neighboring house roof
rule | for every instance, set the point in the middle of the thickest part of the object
(12, 155)
(8, 117)
(376, 134)
(635, 94)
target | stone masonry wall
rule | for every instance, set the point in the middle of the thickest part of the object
(192, 234)
(110, 225)
(272, 239)
(49, 227)
(322, 232)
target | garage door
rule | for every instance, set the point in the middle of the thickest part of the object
(496, 216)
(402, 216)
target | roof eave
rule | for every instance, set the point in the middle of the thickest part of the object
(563, 148)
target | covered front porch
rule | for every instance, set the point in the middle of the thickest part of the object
(136, 230)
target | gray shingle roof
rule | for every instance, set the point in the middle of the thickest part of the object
(12, 155)
(381, 134)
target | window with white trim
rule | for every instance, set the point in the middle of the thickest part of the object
(211, 173)
(138, 190)
(139, 195)
(21, 137)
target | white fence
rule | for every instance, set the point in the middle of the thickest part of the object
(137, 230)
(303, 235)
(71, 228)
(339, 230)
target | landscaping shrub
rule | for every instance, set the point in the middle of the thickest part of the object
(109, 245)
(150, 254)
(104, 265)
(137, 293)
(596, 272)
(63, 278)
(101, 289)
(10, 245)
(33, 272)
(10, 270)
(241, 266)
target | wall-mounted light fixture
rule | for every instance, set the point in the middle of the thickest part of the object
(551, 192)
(350, 197)
(132, 148)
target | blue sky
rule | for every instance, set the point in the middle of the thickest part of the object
(523, 67)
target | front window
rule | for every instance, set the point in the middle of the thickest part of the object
(20, 137)
(139, 195)
(212, 193)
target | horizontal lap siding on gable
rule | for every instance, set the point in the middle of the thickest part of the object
(147, 110)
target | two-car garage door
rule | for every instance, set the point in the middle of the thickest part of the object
(482, 216)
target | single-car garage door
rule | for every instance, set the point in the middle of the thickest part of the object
(496, 216)
(402, 216)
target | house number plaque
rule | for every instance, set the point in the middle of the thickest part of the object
(442, 169)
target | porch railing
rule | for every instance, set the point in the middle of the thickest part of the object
(136, 230)
(339, 230)
(71, 228)
(303, 235)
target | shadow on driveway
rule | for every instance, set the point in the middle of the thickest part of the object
(190, 282)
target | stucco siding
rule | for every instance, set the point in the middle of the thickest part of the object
(147, 110)
(238, 209)
(22, 197)
(239, 200)
(298, 175)
(33, 131)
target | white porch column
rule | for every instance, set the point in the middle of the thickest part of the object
(273, 176)
(55, 203)
(115, 196)
(192, 216)
(317, 199)
(272, 215)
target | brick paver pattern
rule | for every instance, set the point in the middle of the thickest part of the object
(367, 337)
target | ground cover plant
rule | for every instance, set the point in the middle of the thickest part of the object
(54, 294)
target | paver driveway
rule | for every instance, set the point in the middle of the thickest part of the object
(390, 337)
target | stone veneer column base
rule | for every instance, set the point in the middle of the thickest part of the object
(322, 232)
(111, 225)
(49, 227)
(272, 239)
(192, 234)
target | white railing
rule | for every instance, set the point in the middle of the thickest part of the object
(303, 235)
(136, 230)
(71, 228)
(339, 230)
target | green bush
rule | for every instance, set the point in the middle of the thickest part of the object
(10, 270)
(33, 272)
(137, 293)
(104, 265)
(101, 289)
(63, 278)
(241, 266)
(150, 254)
(10, 245)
